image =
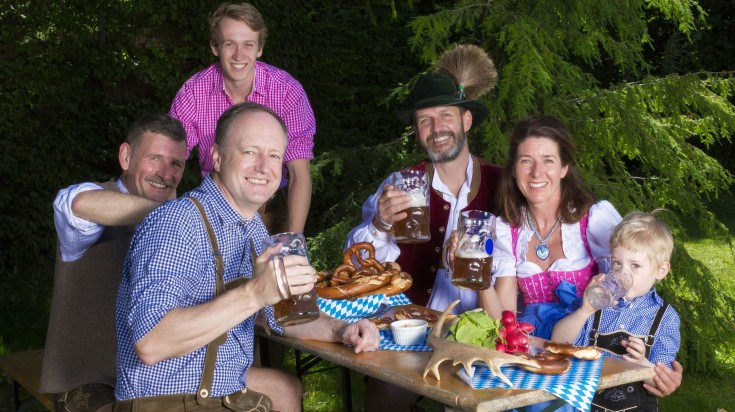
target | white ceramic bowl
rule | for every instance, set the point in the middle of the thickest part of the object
(409, 332)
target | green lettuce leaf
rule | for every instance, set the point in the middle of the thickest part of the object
(475, 328)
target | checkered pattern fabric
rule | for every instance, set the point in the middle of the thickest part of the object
(354, 310)
(576, 387)
(386, 343)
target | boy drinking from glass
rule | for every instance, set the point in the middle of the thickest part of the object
(646, 329)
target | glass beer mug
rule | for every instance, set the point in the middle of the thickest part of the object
(611, 291)
(473, 258)
(297, 309)
(415, 227)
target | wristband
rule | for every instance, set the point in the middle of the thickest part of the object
(382, 225)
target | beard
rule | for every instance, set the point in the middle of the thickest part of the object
(450, 154)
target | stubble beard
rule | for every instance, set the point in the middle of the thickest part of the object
(452, 153)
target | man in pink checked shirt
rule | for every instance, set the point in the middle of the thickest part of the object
(237, 36)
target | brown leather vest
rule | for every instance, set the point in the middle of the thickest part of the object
(81, 342)
(422, 260)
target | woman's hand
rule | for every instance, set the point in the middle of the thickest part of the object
(666, 380)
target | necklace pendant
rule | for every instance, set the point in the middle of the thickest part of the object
(542, 251)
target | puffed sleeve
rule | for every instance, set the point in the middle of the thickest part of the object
(386, 249)
(504, 262)
(602, 220)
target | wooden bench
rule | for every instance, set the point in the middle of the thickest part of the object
(24, 370)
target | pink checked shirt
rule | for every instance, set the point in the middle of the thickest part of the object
(202, 99)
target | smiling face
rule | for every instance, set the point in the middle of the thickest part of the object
(153, 169)
(538, 172)
(238, 50)
(643, 269)
(442, 131)
(248, 164)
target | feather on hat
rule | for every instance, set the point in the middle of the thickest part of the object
(462, 75)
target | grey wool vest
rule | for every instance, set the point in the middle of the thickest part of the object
(81, 342)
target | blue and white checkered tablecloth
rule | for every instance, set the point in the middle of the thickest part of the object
(576, 387)
(354, 310)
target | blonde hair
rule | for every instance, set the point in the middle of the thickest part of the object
(641, 231)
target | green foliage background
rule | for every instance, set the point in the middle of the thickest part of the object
(646, 87)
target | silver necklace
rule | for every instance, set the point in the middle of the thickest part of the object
(542, 251)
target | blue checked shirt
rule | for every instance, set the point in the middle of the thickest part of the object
(637, 320)
(170, 264)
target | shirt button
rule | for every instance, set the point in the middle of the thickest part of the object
(446, 207)
(548, 275)
(437, 249)
(442, 229)
(433, 268)
(551, 282)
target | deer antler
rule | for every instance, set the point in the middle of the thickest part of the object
(462, 353)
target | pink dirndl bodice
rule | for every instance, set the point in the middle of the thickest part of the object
(539, 288)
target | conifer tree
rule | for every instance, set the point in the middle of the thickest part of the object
(641, 133)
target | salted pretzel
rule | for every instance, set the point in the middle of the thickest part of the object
(360, 274)
(568, 349)
(417, 313)
(546, 363)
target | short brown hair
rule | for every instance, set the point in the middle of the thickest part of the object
(643, 232)
(244, 12)
(576, 199)
(159, 123)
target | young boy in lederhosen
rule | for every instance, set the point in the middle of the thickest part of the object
(645, 330)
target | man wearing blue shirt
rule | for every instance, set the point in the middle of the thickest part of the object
(94, 223)
(181, 340)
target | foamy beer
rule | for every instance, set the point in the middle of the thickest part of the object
(415, 227)
(473, 259)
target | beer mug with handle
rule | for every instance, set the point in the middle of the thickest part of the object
(473, 257)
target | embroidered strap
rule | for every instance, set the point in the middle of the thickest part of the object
(210, 358)
(648, 340)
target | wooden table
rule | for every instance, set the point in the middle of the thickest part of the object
(406, 369)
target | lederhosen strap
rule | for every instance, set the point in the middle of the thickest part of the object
(210, 358)
(628, 396)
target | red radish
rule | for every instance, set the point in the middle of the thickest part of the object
(516, 339)
(525, 327)
(508, 317)
(511, 328)
(502, 333)
(500, 347)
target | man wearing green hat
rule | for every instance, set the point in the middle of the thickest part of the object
(441, 114)
(443, 108)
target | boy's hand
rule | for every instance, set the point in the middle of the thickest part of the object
(636, 351)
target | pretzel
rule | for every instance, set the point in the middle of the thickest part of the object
(568, 349)
(349, 281)
(354, 289)
(398, 283)
(416, 313)
(548, 363)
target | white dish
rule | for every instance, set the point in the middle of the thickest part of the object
(409, 332)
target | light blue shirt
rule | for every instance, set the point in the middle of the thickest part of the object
(76, 235)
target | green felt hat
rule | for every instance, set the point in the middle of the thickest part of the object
(438, 89)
